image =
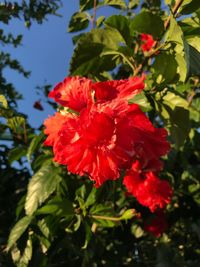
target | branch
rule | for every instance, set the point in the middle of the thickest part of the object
(94, 14)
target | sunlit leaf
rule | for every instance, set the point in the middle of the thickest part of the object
(40, 187)
(18, 229)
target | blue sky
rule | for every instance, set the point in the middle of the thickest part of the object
(46, 51)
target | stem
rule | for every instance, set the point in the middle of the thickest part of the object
(94, 14)
(25, 133)
(174, 12)
(107, 218)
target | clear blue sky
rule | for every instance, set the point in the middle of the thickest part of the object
(46, 51)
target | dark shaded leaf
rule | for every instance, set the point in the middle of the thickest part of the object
(146, 22)
(79, 21)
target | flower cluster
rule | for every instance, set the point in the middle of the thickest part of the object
(147, 42)
(99, 134)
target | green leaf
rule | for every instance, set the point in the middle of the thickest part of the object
(86, 4)
(162, 72)
(142, 101)
(194, 41)
(133, 4)
(175, 36)
(189, 6)
(18, 229)
(34, 144)
(3, 101)
(128, 214)
(62, 207)
(121, 55)
(16, 124)
(16, 153)
(79, 21)
(40, 187)
(147, 22)
(27, 254)
(194, 61)
(174, 110)
(121, 24)
(115, 3)
(92, 197)
(137, 230)
(88, 235)
(86, 58)
(99, 21)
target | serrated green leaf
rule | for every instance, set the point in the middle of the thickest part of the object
(79, 21)
(163, 73)
(175, 36)
(86, 58)
(40, 187)
(174, 109)
(149, 23)
(18, 229)
(121, 24)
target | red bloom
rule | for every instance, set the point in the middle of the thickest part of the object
(148, 189)
(157, 225)
(73, 92)
(53, 124)
(106, 136)
(147, 42)
(120, 89)
(90, 144)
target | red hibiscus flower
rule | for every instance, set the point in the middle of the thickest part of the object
(147, 42)
(73, 92)
(148, 189)
(120, 89)
(107, 134)
(157, 225)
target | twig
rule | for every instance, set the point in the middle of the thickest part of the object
(174, 12)
(94, 14)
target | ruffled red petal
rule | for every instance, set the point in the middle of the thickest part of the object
(73, 92)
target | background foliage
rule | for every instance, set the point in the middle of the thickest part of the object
(50, 217)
